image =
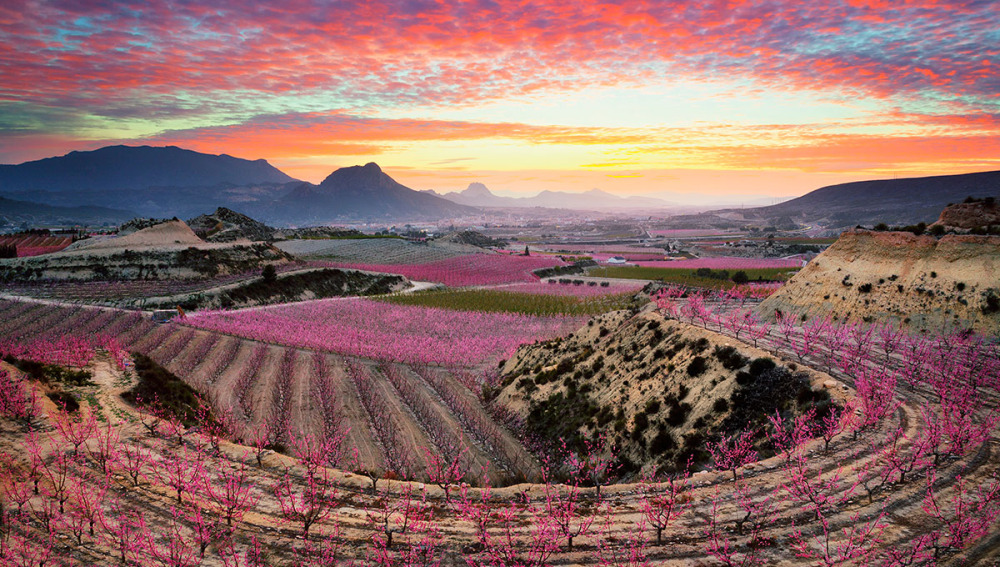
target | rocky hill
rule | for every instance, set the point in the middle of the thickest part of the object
(952, 282)
(659, 388)
(226, 225)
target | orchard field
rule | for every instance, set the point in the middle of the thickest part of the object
(315, 450)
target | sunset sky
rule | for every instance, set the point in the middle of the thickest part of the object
(635, 97)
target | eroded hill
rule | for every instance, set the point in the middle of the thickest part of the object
(659, 388)
(920, 281)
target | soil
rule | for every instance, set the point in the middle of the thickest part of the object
(920, 282)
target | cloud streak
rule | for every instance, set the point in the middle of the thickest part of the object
(306, 79)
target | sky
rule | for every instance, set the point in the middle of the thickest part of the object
(711, 98)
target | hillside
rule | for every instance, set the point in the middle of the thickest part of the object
(892, 201)
(365, 192)
(153, 181)
(920, 281)
(162, 234)
(659, 388)
(168, 250)
(14, 213)
(130, 167)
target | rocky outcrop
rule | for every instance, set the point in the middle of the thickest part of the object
(923, 282)
(970, 215)
(226, 225)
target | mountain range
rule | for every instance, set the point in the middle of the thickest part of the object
(478, 195)
(170, 181)
(120, 181)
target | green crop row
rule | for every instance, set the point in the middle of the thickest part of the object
(686, 276)
(489, 300)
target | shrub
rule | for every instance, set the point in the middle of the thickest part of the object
(161, 390)
(992, 304)
(740, 277)
(730, 358)
(641, 423)
(720, 405)
(865, 288)
(761, 365)
(270, 274)
(662, 442)
(697, 366)
(64, 400)
(678, 414)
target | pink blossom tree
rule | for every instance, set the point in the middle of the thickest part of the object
(664, 502)
(731, 452)
(230, 491)
(307, 502)
(963, 516)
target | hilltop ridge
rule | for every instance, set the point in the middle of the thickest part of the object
(917, 281)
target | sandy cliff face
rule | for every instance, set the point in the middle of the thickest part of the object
(921, 281)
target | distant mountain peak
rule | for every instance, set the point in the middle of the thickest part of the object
(477, 189)
(478, 195)
(354, 174)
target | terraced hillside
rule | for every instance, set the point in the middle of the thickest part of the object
(391, 412)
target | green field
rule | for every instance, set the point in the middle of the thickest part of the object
(509, 302)
(686, 276)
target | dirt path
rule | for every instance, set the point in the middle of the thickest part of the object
(359, 436)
